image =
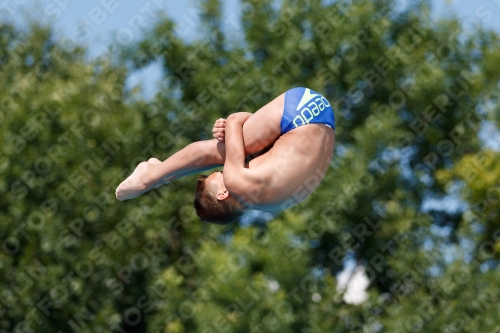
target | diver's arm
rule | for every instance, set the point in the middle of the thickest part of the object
(237, 178)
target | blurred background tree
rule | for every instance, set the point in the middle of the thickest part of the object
(411, 199)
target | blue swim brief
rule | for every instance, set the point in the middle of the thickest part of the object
(304, 106)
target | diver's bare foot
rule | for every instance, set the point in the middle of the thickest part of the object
(134, 185)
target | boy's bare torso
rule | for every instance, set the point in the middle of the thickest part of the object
(294, 166)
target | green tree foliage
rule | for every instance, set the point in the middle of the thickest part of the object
(410, 95)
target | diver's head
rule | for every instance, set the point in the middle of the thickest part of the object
(213, 202)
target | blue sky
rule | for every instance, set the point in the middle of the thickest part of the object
(102, 17)
(97, 22)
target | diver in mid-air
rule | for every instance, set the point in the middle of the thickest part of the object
(292, 137)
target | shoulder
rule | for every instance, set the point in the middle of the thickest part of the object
(245, 184)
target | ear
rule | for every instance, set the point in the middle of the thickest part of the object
(222, 195)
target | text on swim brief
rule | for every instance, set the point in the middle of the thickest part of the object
(310, 111)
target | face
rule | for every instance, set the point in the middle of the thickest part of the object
(216, 181)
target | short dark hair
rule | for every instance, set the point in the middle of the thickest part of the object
(211, 210)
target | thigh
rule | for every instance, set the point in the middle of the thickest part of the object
(263, 128)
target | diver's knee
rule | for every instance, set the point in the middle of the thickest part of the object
(154, 161)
